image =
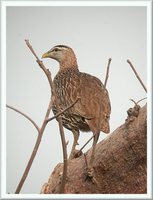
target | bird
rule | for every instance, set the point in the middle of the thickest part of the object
(92, 110)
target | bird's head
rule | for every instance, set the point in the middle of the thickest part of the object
(63, 54)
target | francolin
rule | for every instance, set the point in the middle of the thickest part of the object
(92, 110)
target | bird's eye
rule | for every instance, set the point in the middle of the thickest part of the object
(55, 50)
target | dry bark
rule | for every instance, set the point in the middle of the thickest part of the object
(120, 164)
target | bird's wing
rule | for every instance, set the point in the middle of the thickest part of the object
(92, 95)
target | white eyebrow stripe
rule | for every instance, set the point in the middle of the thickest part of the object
(60, 47)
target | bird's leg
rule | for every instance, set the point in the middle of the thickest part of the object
(90, 168)
(75, 142)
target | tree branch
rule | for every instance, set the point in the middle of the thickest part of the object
(26, 116)
(119, 165)
(59, 119)
(138, 77)
(40, 133)
(60, 113)
(42, 66)
(107, 72)
(35, 149)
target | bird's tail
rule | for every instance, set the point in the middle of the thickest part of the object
(104, 125)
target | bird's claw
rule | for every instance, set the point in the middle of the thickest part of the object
(77, 153)
(90, 172)
(91, 175)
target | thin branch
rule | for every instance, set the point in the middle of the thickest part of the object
(27, 169)
(35, 149)
(42, 66)
(133, 101)
(141, 100)
(59, 119)
(38, 139)
(107, 72)
(58, 114)
(86, 162)
(85, 144)
(138, 77)
(26, 116)
(136, 103)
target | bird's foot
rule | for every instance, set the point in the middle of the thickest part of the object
(91, 175)
(90, 172)
(75, 154)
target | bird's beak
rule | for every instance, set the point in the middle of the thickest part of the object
(45, 55)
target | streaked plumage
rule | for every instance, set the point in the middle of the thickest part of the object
(92, 111)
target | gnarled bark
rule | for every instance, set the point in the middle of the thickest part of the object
(119, 166)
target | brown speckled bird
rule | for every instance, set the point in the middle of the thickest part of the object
(92, 111)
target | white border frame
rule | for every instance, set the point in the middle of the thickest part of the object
(4, 4)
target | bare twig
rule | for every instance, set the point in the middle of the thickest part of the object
(23, 114)
(85, 144)
(133, 101)
(58, 114)
(25, 174)
(59, 119)
(107, 72)
(42, 66)
(86, 162)
(38, 139)
(138, 77)
(136, 103)
(141, 100)
(34, 150)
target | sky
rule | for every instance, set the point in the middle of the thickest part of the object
(95, 34)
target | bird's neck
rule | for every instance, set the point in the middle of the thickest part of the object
(71, 62)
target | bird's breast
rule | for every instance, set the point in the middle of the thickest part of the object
(67, 91)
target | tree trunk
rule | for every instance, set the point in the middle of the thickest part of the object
(120, 164)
